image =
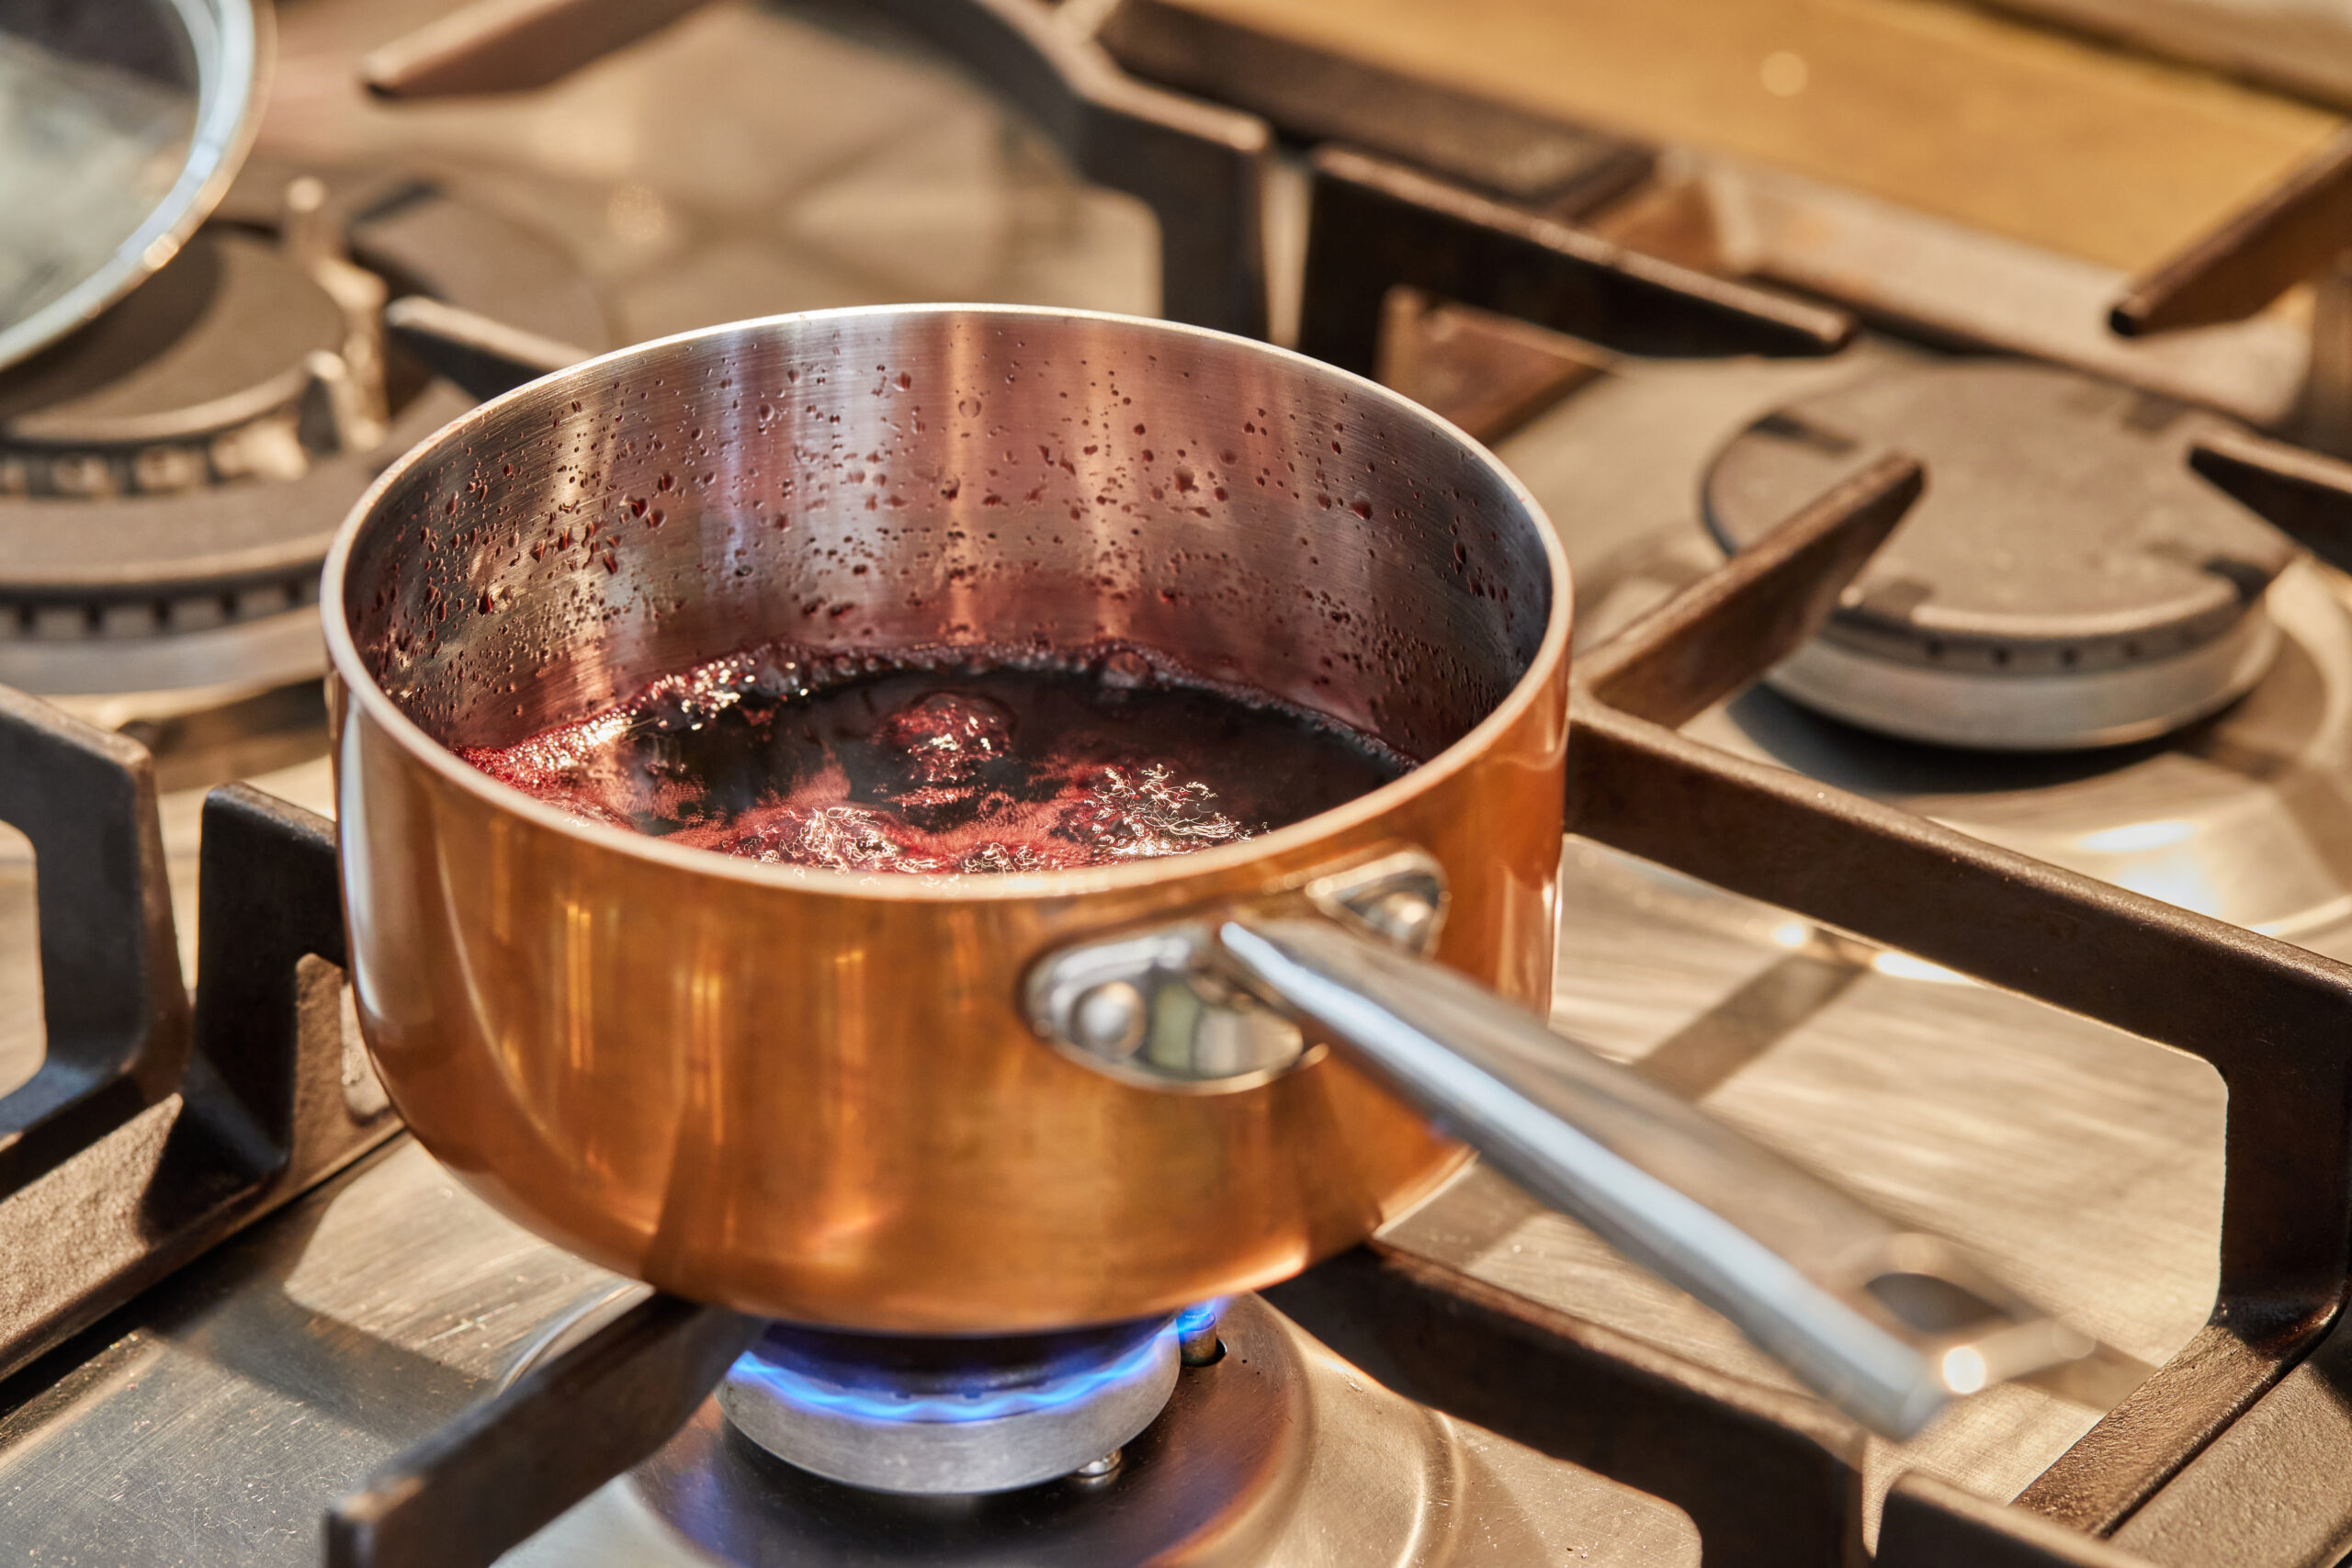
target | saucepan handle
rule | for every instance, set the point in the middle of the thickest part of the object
(1887, 1322)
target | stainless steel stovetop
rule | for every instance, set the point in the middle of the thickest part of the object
(754, 159)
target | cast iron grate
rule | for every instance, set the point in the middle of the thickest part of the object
(1768, 1480)
(179, 1129)
(153, 1130)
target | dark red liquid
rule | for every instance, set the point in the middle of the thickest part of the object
(947, 762)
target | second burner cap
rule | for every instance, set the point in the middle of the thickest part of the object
(2066, 581)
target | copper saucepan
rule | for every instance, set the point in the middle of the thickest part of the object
(955, 1105)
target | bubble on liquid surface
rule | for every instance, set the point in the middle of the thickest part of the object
(946, 737)
(834, 837)
(1144, 813)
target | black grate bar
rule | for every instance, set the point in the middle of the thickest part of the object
(2304, 495)
(1769, 1478)
(481, 357)
(261, 1112)
(113, 1003)
(506, 46)
(1316, 95)
(509, 1466)
(1201, 167)
(1375, 225)
(1928, 1524)
(2288, 233)
(1724, 629)
(2275, 1021)
(2270, 1486)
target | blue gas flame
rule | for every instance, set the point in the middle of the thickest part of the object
(1192, 1319)
(808, 1392)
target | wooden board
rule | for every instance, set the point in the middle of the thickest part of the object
(1983, 118)
(2305, 49)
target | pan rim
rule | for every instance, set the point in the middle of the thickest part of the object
(362, 691)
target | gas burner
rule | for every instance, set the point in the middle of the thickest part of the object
(2065, 583)
(950, 1415)
(1273, 1454)
(2244, 817)
(199, 378)
(171, 473)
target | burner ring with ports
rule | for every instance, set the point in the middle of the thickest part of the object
(2066, 581)
(898, 1413)
(171, 474)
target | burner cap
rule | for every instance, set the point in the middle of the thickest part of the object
(215, 339)
(171, 474)
(2066, 581)
(892, 1414)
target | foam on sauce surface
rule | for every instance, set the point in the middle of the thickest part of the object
(954, 761)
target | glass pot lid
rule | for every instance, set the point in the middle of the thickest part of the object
(121, 123)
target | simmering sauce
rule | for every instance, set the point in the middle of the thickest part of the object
(947, 762)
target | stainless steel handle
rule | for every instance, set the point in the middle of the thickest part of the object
(1887, 1322)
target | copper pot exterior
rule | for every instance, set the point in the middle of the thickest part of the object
(813, 1097)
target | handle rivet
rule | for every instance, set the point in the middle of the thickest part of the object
(1402, 915)
(1109, 1020)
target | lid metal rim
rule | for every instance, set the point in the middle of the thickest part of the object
(228, 115)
